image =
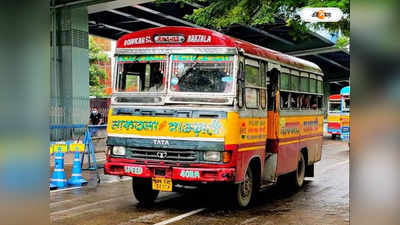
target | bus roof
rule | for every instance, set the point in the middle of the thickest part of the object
(345, 91)
(334, 97)
(201, 37)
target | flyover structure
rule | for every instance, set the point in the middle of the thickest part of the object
(73, 20)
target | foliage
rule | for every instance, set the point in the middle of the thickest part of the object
(343, 42)
(97, 91)
(96, 57)
(218, 14)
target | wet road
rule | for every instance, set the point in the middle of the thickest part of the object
(323, 200)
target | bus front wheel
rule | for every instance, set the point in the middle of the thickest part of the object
(143, 191)
(244, 191)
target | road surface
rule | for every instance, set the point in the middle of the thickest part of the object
(324, 199)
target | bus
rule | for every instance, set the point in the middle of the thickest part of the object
(195, 107)
(334, 115)
(345, 113)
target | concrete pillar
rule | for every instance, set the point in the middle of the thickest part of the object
(327, 92)
(70, 77)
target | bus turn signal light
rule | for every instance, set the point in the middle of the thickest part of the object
(227, 156)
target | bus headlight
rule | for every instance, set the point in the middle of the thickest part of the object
(118, 150)
(212, 156)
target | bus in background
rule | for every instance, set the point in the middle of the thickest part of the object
(192, 107)
(345, 113)
(334, 115)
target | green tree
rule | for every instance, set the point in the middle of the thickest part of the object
(96, 57)
(218, 14)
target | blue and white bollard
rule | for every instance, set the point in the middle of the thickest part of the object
(58, 179)
(76, 176)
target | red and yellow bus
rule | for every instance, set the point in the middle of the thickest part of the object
(334, 115)
(192, 106)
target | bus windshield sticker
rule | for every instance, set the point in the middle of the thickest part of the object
(227, 79)
(141, 58)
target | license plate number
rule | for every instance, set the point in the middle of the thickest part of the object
(161, 184)
(134, 170)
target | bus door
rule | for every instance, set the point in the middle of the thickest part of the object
(271, 157)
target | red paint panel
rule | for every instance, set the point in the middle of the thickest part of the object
(287, 158)
(200, 37)
(205, 174)
(244, 158)
(334, 125)
(334, 97)
(192, 37)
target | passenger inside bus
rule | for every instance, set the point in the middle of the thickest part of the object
(306, 102)
(156, 82)
(202, 79)
(141, 77)
(284, 102)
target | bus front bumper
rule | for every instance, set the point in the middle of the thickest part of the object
(174, 173)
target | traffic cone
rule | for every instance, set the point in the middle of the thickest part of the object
(58, 179)
(76, 176)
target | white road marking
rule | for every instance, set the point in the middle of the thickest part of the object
(77, 214)
(65, 189)
(249, 220)
(116, 180)
(86, 205)
(142, 219)
(55, 204)
(177, 218)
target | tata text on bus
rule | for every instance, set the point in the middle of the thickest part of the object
(193, 107)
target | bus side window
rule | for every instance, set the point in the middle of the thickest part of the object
(272, 87)
(314, 102)
(284, 101)
(320, 103)
(306, 102)
(294, 101)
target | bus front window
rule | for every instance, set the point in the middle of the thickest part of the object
(202, 73)
(334, 106)
(141, 73)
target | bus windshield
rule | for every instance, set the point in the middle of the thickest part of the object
(202, 73)
(334, 106)
(346, 106)
(141, 73)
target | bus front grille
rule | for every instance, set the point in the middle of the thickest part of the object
(162, 154)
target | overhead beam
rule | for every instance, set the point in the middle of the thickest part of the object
(333, 62)
(113, 4)
(165, 16)
(111, 27)
(270, 35)
(315, 51)
(116, 28)
(194, 4)
(136, 18)
(78, 3)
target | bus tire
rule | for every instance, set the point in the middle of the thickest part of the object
(244, 191)
(143, 191)
(333, 136)
(296, 178)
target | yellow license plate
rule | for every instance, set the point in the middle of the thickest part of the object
(162, 184)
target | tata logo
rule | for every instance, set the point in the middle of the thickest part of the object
(161, 142)
(321, 14)
(162, 155)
